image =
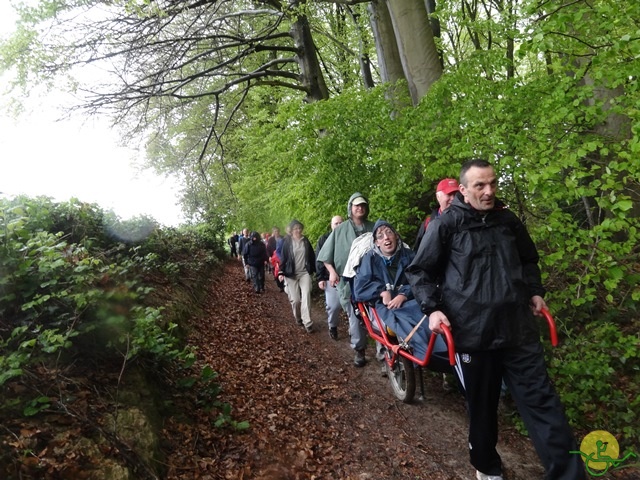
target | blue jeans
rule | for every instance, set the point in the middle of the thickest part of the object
(333, 307)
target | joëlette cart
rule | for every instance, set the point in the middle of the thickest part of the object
(403, 368)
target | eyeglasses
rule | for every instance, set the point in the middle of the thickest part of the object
(384, 233)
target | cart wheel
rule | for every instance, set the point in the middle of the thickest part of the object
(403, 379)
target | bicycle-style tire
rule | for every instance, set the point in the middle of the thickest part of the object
(402, 377)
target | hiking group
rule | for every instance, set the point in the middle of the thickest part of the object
(473, 268)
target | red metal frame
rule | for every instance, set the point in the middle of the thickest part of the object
(382, 336)
(395, 349)
(553, 332)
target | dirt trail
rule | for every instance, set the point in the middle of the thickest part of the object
(312, 414)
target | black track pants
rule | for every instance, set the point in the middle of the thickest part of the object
(525, 373)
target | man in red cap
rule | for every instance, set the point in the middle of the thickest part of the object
(445, 191)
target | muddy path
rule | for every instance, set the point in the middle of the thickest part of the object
(312, 414)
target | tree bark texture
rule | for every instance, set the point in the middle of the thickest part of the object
(386, 46)
(418, 52)
(310, 72)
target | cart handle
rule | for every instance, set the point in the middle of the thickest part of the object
(450, 346)
(553, 332)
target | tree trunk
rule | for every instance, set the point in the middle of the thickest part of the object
(430, 5)
(614, 126)
(418, 53)
(386, 46)
(365, 70)
(310, 73)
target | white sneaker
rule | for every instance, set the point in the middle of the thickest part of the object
(484, 476)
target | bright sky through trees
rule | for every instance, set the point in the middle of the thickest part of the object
(75, 158)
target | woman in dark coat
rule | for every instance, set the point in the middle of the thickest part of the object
(297, 265)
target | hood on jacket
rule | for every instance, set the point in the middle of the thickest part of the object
(352, 198)
(379, 224)
(255, 237)
(294, 223)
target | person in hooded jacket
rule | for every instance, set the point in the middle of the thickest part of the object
(476, 271)
(381, 280)
(297, 265)
(255, 258)
(334, 254)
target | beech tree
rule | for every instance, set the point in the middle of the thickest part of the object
(179, 73)
(186, 74)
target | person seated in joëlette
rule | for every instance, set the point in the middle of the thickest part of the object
(380, 280)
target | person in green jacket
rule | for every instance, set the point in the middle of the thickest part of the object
(334, 254)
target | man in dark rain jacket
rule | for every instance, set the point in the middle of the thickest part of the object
(477, 271)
